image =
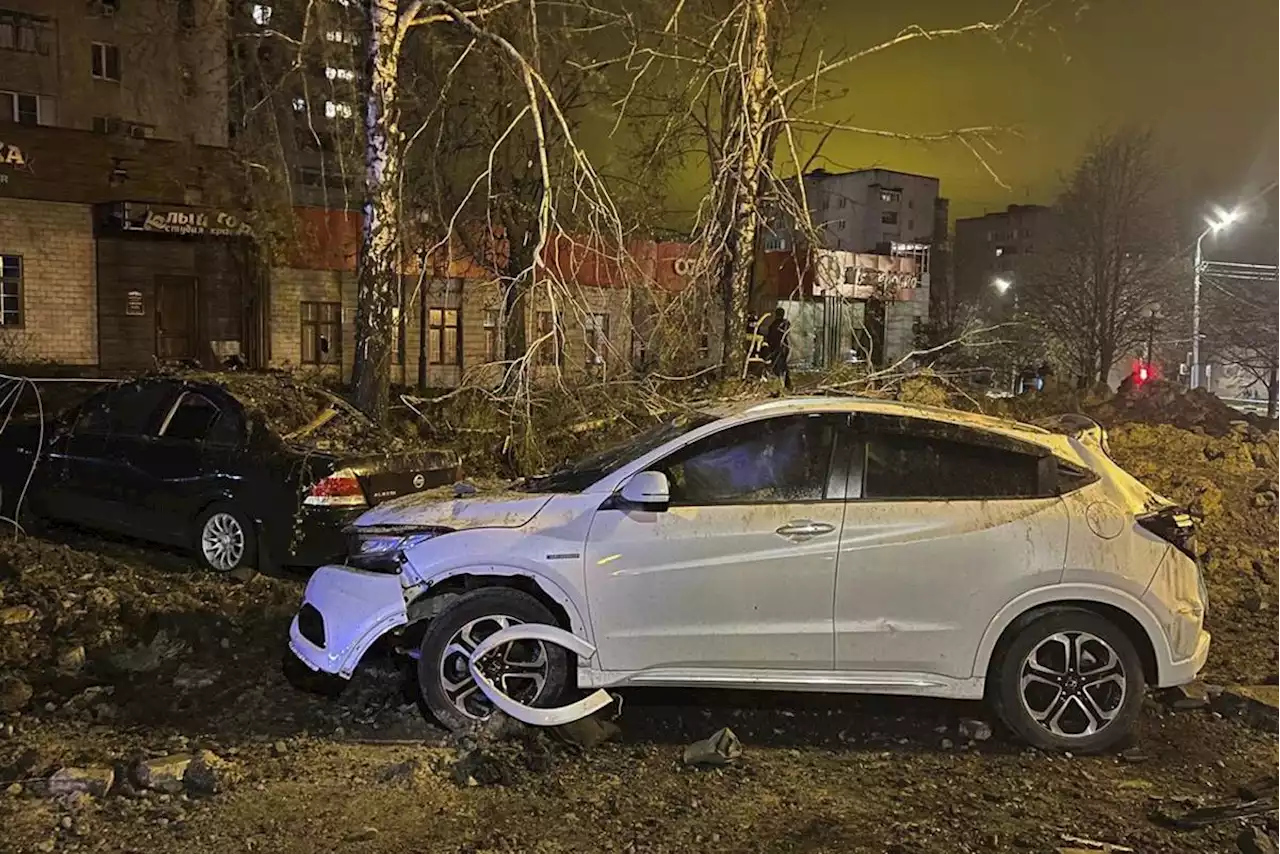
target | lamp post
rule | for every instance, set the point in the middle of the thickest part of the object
(1215, 225)
(1003, 284)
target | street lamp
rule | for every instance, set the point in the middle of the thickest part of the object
(1215, 225)
(1001, 284)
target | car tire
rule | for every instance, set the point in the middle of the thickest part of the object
(225, 538)
(443, 679)
(1069, 680)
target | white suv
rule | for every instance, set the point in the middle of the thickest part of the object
(840, 545)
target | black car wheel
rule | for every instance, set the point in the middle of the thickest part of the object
(1070, 680)
(225, 539)
(530, 672)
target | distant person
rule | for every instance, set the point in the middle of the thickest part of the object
(776, 338)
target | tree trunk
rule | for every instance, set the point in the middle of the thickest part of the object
(745, 213)
(1272, 389)
(379, 240)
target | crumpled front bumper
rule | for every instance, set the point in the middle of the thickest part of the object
(354, 609)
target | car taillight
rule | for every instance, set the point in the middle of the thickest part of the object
(340, 489)
(1175, 526)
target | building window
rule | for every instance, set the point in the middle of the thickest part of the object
(889, 217)
(492, 335)
(187, 14)
(10, 290)
(337, 110)
(20, 34)
(840, 201)
(340, 37)
(444, 343)
(299, 104)
(911, 225)
(704, 346)
(345, 74)
(26, 108)
(550, 339)
(836, 225)
(106, 62)
(890, 197)
(106, 124)
(999, 251)
(261, 14)
(321, 333)
(597, 338)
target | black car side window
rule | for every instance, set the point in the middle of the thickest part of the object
(194, 419)
(129, 410)
(904, 466)
(778, 460)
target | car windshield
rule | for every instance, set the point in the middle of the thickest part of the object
(578, 475)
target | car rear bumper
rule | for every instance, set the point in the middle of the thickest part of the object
(1182, 672)
(318, 536)
(343, 612)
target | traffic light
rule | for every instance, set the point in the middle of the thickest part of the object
(1143, 372)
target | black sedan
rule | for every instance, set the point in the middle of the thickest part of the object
(188, 461)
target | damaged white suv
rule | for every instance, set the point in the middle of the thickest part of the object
(839, 545)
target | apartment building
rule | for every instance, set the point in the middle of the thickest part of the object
(998, 246)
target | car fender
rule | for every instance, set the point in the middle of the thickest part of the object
(1061, 593)
(556, 592)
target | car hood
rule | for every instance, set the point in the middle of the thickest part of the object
(489, 510)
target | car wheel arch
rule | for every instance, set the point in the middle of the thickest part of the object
(1128, 614)
(432, 599)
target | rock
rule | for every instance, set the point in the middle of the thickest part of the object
(588, 732)
(1253, 840)
(1193, 695)
(1257, 705)
(947, 744)
(721, 748)
(45, 846)
(399, 771)
(480, 767)
(279, 748)
(13, 790)
(17, 615)
(208, 774)
(1133, 756)
(15, 694)
(91, 781)
(974, 729)
(71, 660)
(364, 834)
(243, 575)
(163, 774)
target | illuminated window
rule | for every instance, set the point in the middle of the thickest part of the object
(444, 340)
(337, 110)
(890, 196)
(340, 37)
(340, 74)
(261, 14)
(299, 105)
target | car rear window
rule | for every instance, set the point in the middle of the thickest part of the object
(129, 410)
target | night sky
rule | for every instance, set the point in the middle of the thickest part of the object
(1201, 73)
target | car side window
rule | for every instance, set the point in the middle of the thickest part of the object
(198, 419)
(780, 460)
(129, 410)
(923, 467)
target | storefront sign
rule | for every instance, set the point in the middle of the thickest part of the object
(11, 155)
(170, 220)
(133, 306)
(888, 279)
(685, 266)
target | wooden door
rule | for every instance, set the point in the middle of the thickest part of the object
(175, 317)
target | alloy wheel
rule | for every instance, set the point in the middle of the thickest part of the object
(519, 669)
(1073, 684)
(222, 542)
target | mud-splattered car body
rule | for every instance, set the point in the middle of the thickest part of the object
(805, 544)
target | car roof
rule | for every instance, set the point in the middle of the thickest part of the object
(874, 406)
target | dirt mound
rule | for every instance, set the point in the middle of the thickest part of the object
(1160, 402)
(1231, 481)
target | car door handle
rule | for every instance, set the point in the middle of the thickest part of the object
(805, 528)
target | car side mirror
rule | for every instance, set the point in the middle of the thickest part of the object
(647, 490)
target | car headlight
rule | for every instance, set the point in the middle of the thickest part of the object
(384, 552)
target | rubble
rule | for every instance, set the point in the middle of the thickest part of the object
(91, 781)
(1182, 698)
(1253, 840)
(720, 748)
(975, 730)
(163, 774)
(15, 694)
(16, 615)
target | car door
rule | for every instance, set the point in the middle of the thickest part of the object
(93, 482)
(737, 573)
(943, 526)
(184, 463)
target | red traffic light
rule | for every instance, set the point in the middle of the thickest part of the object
(1143, 372)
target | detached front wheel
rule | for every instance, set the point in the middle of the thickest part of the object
(1070, 680)
(530, 672)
